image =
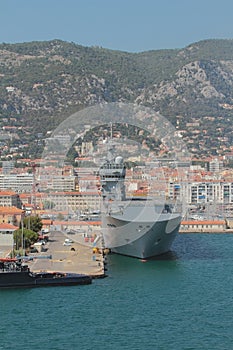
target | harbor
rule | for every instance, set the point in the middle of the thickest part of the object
(66, 253)
(77, 256)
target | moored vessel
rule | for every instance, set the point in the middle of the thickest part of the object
(136, 227)
(13, 274)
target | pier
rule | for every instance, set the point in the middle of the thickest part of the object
(80, 256)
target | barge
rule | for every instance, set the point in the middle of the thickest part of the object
(14, 274)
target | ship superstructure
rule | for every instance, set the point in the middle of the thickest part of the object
(140, 228)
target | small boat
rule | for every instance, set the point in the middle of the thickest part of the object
(14, 274)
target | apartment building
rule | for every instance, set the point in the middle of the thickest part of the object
(9, 199)
(64, 183)
(11, 215)
(19, 183)
(75, 201)
(202, 192)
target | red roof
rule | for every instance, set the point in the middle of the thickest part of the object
(7, 193)
(77, 223)
(203, 222)
(8, 227)
(47, 221)
(10, 210)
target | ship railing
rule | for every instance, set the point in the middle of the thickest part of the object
(118, 207)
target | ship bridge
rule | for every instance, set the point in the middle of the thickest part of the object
(113, 170)
(112, 175)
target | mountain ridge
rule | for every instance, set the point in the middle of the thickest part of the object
(44, 82)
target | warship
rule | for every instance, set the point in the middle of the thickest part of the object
(136, 227)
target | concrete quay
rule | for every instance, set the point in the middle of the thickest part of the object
(77, 257)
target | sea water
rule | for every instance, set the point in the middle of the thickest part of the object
(182, 301)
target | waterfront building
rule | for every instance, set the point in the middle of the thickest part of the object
(203, 226)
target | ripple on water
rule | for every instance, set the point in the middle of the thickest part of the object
(182, 301)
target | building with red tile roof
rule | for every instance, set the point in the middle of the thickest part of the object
(6, 235)
(11, 215)
(203, 226)
(10, 198)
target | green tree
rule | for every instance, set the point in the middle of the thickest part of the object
(29, 237)
(33, 223)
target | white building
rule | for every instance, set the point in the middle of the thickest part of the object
(64, 183)
(84, 202)
(19, 183)
(215, 165)
(202, 192)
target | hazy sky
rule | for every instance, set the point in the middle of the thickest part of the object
(129, 25)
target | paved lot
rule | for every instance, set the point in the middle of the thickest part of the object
(79, 260)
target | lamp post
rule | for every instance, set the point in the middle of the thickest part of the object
(22, 244)
(22, 233)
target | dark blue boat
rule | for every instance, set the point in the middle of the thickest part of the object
(13, 274)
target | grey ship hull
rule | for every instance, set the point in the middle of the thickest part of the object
(140, 232)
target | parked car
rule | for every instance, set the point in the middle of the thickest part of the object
(67, 243)
(68, 240)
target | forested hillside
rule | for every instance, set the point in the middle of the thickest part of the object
(44, 82)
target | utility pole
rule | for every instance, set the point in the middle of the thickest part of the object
(34, 188)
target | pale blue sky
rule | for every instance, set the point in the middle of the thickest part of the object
(129, 25)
